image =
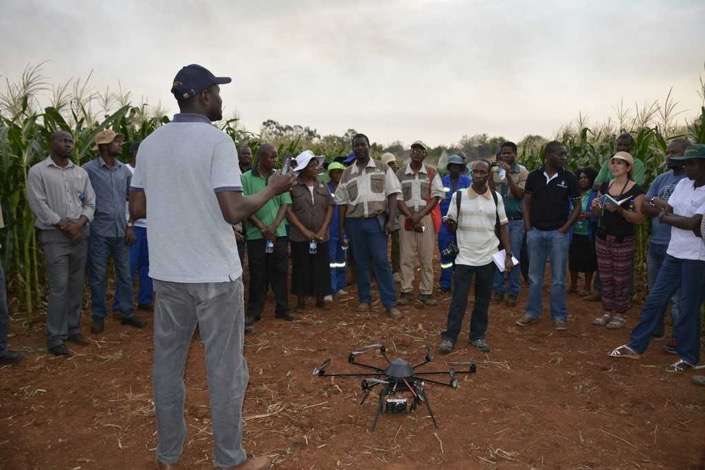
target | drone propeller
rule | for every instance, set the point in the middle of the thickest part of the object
(472, 367)
(321, 370)
(364, 349)
(376, 381)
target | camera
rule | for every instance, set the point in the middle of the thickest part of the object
(494, 164)
(396, 405)
(451, 251)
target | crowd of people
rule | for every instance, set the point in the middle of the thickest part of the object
(200, 209)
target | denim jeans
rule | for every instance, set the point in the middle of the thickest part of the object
(447, 264)
(218, 309)
(139, 264)
(689, 275)
(338, 267)
(4, 314)
(368, 241)
(516, 234)
(551, 245)
(654, 260)
(462, 279)
(99, 248)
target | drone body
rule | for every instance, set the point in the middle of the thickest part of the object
(403, 386)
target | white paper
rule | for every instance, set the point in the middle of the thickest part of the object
(499, 259)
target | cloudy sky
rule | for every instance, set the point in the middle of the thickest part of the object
(433, 70)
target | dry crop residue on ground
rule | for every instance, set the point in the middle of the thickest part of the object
(540, 399)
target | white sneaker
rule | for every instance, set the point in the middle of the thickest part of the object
(342, 292)
(328, 298)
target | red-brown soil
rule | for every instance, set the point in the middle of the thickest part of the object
(541, 399)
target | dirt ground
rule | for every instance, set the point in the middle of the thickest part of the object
(541, 399)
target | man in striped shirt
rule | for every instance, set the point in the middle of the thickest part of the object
(475, 226)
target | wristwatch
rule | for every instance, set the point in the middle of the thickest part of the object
(130, 223)
(652, 202)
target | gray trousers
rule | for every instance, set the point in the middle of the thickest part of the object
(66, 266)
(218, 309)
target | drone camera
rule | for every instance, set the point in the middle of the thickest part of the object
(396, 405)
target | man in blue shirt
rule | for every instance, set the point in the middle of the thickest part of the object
(111, 234)
(452, 182)
(661, 188)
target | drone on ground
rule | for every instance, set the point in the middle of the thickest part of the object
(403, 386)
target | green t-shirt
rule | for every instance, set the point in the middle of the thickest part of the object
(252, 183)
(581, 226)
(605, 174)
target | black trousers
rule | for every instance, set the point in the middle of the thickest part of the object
(267, 269)
(462, 280)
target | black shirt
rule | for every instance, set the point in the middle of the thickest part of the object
(613, 222)
(550, 206)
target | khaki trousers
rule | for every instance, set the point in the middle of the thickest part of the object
(417, 246)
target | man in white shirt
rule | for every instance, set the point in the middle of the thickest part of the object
(481, 210)
(188, 180)
(683, 267)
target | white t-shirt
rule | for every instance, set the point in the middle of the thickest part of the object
(476, 239)
(139, 222)
(181, 166)
(687, 201)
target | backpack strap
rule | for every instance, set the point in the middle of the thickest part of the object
(496, 212)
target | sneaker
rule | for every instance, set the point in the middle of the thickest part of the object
(497, 297)
(680, 366)
(405, 298)
(342, 292)
(560, 325)
(287, 316)
(98, 326)
(328, 299)
(481, 345)
(526, 320)
(363, 307)
(427, 299)
(446, 346)
(511, 300)
(60, 350)
(393, 312)
(670, 347)
(11, 358)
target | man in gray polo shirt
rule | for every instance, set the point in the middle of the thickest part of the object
(187, 182)
(62, 199)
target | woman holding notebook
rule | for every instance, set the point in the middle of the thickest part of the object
(618, 207)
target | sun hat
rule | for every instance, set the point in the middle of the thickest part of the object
(626, 156)
(105, 137)
(305, 157)
(193, 79)
(418, 143)
(455, 160)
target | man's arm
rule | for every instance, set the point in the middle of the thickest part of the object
(235, 207)
(574, 215)
(504, 238)
(271, 231)
(37, 198)
(342, 211)
(602, 176)
(527, 211)
(685, 223)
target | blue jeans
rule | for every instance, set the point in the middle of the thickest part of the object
(654, 260)
(218, 310)
(462, 279)
(551, 245)
(447, 264)
(139, 263)
(337, 265)
(368, 241)
(689, 275)
(516, 234)
(4, 314)
(99, 248)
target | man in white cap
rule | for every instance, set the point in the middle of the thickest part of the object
(188, 180)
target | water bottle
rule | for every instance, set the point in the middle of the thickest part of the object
(312, 248)
(346, 244)
(269, 246)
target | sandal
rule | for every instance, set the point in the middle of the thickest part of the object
(625, 352)
(616, 323)
(602, 320)
(680, 366)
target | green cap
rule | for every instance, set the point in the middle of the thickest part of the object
(335, 166)
(693, 151)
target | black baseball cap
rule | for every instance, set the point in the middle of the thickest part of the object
(193, 79)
